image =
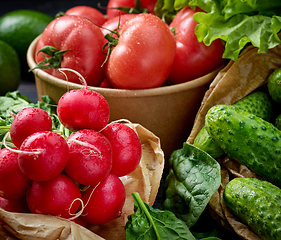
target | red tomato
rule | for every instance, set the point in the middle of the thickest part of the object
(105, 84)
(110, 12)
(89, 12)
(149, 5)
(115, 22)
(84, 40)
(193, 59)
(144, 54)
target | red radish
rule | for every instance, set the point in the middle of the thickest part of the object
(55, 197)
(126, 148)
(14, 205)
(105, 201)
(13, 183)
(83, 109)
(91, 110)
(28, 121)
(90, 157)
(43, 155)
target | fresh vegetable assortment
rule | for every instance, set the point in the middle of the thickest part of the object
(138, 49)
(85, 156)
(247, 132)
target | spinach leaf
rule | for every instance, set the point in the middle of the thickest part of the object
(193, 178)
(150, 223)
(205, 235)
(210, 238)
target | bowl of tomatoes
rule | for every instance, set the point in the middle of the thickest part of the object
(135, 74)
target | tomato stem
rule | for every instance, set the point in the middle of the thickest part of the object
(53, 61)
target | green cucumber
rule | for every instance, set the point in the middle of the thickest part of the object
(256, 203)
(204, 141)
(258, 103)
(277, 122)
(248, 139)
(274, 85)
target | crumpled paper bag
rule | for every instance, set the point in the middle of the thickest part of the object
(145, 180)
(232, 83)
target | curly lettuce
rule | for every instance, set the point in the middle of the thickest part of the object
(237, 23)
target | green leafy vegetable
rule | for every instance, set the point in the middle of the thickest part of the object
(231, 8)
(193, 178)
(236, 22)
(13, 102)
(150, 223)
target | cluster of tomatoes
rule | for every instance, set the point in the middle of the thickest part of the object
(75, 177)
(127, 50)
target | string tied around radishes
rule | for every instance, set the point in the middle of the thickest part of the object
(33, 151)
(83, 206)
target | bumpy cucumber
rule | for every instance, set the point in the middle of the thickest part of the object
(204, 141)
(258, 103)
(277, 122)
(274, 85)
(247, 138)
(257, 203)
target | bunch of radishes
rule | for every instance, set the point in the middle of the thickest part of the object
(74, 177)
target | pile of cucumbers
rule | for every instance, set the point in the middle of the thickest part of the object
(249, 131)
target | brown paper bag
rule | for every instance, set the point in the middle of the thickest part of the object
(232, 83)
(145, 180)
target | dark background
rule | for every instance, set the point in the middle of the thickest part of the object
(49, 7)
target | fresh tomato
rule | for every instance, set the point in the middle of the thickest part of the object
(116, 23)
(82, 40)
(88, 12)
(113, 5)
(144, 54)
(193, 59)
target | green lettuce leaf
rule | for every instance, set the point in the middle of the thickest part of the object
(230, 8)
(193, 178)
(238, 31)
